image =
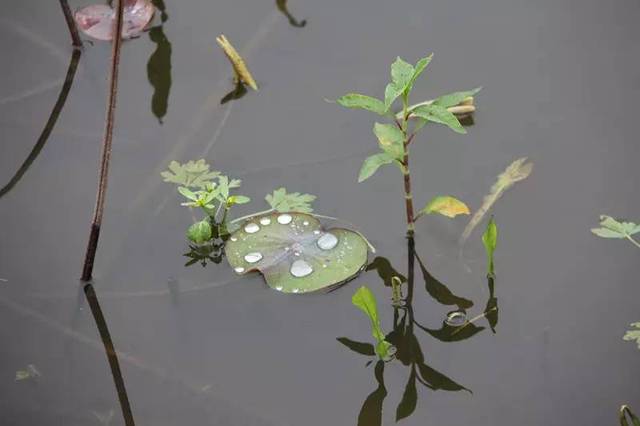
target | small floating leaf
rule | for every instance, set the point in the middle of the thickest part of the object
(633, 334)
(364, 300)
(373, 163)
(97, 20)
(294, 260)
(446, 205)
(282, 201)
(490, 241)
(517, 171)
(31, 372)
(240, 68)
(355, 100)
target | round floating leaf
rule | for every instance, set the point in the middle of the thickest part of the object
(294, 253)
(97, 20)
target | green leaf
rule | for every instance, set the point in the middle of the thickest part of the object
(237, 199)
(188, 193)
(420, 66)
(372, 163)
(391, 93)
(200, 232)
(284, 202)
(401, 73)
(294, 253)
(355, 100)
(440, 115)
(453, 99)
(194, 174)
(633, 334)
(446, 205)
(364, 300)
(626, 411)
(612, 228)
(391, 139)
(490, 241)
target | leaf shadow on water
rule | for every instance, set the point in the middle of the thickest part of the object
(159, 65)
(236, 93)
(282, 7)
(49, 125)
(409, 351)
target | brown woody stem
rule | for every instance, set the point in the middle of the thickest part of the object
(73, 30)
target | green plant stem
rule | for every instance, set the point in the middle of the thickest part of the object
(634, 242)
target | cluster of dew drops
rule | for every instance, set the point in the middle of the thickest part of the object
(299, 268)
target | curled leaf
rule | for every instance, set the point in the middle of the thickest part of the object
(239, 66)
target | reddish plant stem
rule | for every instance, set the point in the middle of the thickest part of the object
(408, 195)
(73, 30)
(98, 212)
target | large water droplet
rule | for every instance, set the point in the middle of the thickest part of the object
(456, 318)
(295, 290)
(251, 228)
(285, 219)
(234, 239)
(253, 257)
(305, 223)
(239, 269)
(327, 241)
(265, 221)
(316, 232)
(279, 288)
(300, 268)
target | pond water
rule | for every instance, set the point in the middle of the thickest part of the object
(203, 346)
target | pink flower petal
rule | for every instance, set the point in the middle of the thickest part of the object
(96, 20)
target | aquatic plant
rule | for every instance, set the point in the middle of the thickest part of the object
(633, 334)
(490, 241)
(625, 412)
(365, 300)
(612, 228)
(242, 73)
(519, 170)
(395, 138)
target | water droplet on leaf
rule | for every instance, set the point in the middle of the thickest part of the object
(239, 269)
(251, 228)
(253, 257)
(456, 318)
(300, 268)
(265, 221)
(285, 219)
(327, 241)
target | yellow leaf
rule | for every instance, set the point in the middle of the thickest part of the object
(446, 205)
(240, 68)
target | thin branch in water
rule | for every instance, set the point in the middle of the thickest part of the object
(73, 30)
(92, 245)
(48, 127)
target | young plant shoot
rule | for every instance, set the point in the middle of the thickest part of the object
(395, 137)
(612, 228)
(490, 241)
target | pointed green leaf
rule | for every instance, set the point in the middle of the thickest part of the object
(391, 93)
(439, 114)
(401, 73)
(420, 66)
(187, 193)
(490, 241)
(364, 300)
(372, 163)
(355, 100)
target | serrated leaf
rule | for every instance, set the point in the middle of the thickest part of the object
(612, 228)
(193, 174)
(200, 232)
(440, 115)
(356, 100)
(391, 139)
(372, 163)
(455, 98)
(633, 334)
(490, 241)
(282, 201)
(446, 205)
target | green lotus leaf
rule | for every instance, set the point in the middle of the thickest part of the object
(294, 253)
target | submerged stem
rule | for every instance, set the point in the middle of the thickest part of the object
(634, 242)
(98, 212)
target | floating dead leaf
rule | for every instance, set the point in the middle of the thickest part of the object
(97, 20)
(239, 66)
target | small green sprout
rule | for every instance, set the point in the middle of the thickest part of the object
(395, 137)
(490, 241)
(612, 228)
(364, 300)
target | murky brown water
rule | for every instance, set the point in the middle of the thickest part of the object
(561, 80)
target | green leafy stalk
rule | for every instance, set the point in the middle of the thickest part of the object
(394, 138)
(364, 300)
(490, 241)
